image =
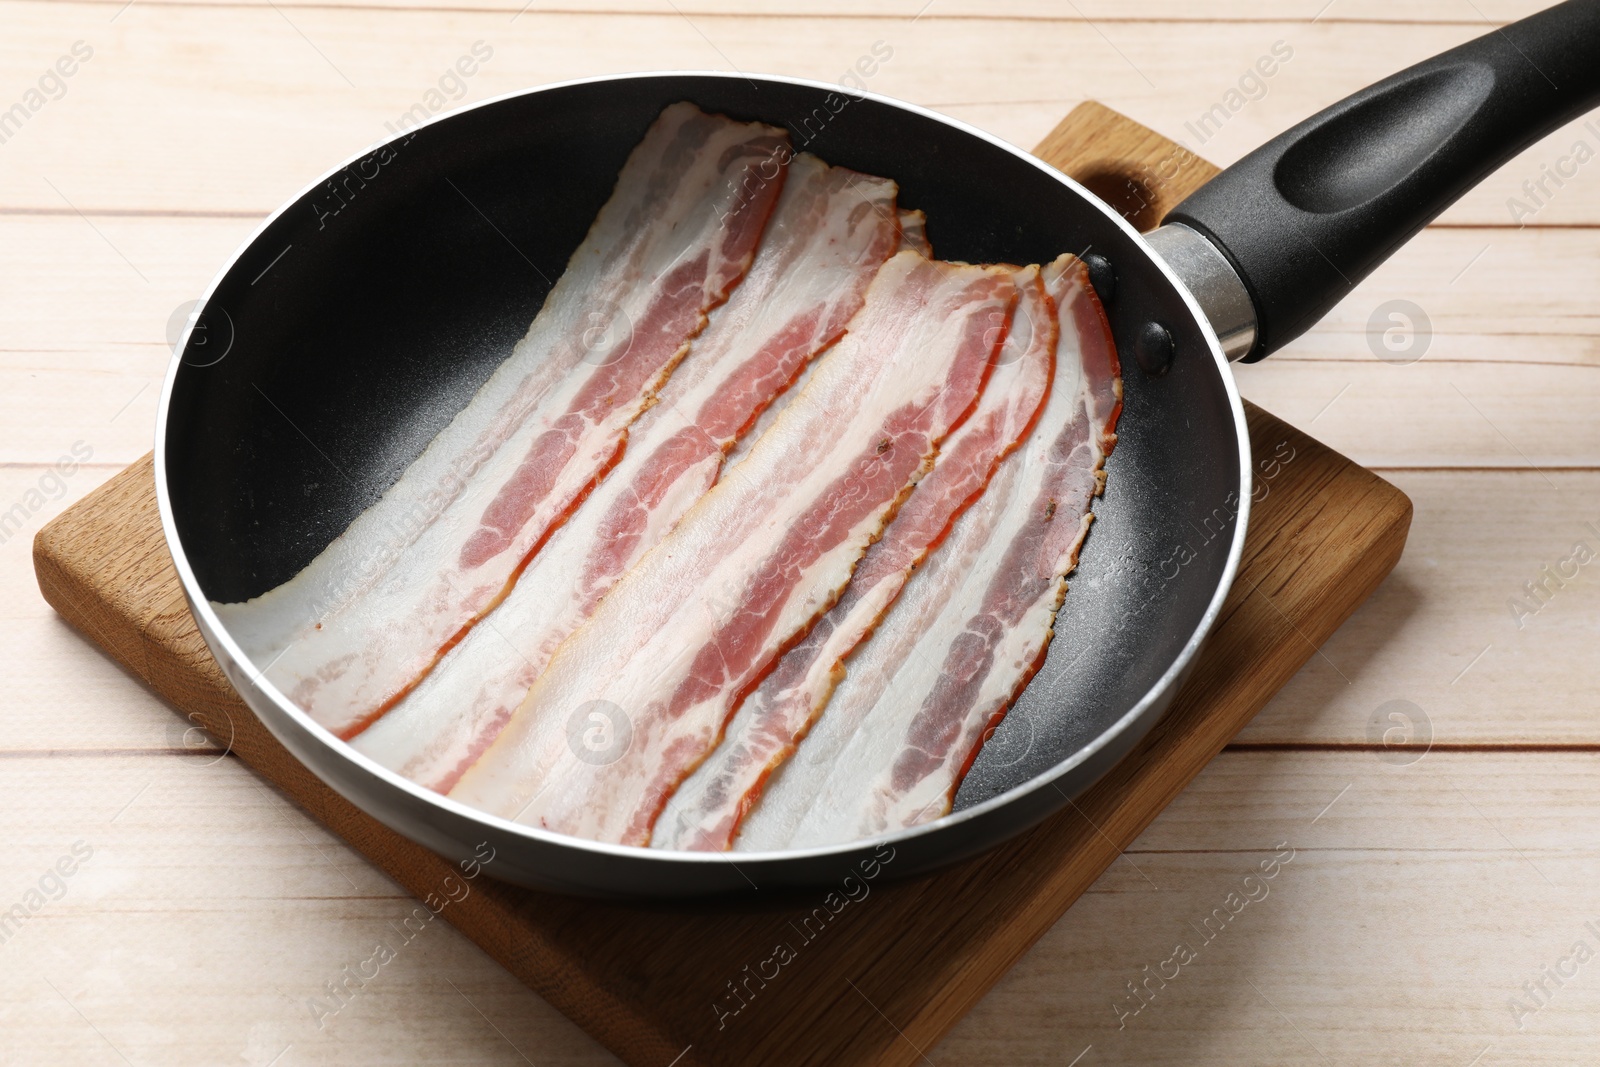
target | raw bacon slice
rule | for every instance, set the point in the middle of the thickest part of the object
(633, 700)
(706, 809)
(363, 622)
(970, 629)
(829, 234)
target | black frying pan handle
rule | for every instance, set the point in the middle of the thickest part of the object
(1307, 216)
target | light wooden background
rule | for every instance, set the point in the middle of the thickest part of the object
(1422, 895)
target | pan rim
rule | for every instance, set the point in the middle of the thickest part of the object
(216, 633)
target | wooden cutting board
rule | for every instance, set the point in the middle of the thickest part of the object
(880, 980)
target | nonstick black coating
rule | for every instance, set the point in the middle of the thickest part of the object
(354, 327)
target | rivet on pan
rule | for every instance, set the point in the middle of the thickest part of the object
(1102, 276)
(1153, 349)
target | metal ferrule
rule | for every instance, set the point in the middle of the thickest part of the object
(1216, 286)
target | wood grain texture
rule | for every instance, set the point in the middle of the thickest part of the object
(1530, 362)
(1443, 635)
(236, 107)
(215, 905)
(1109, 11)
(646, 982)
(1400, 885)
(1438, 633)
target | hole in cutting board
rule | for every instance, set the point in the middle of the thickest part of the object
(1130, 194)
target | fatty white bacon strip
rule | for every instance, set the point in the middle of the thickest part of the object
(705, 811)
(690, 629)
(970, 629)
(364, 621)
(830, 232)
(913, 236)
(914, 232)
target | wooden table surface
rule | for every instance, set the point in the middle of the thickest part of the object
(1437, 904)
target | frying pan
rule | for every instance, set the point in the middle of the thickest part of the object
(363, 314)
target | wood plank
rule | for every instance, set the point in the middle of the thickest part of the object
(1385, 939)
(1531, 365)
(83, 348)
(987, 13)
(237, 107)
(1540, 804)
(1387, 417)
(1442, 634)
(1438, 414)
(1518, 296)
(1476, 537)
(1414, 906)
(270, 907)
(103, 707)
(1460, 277)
